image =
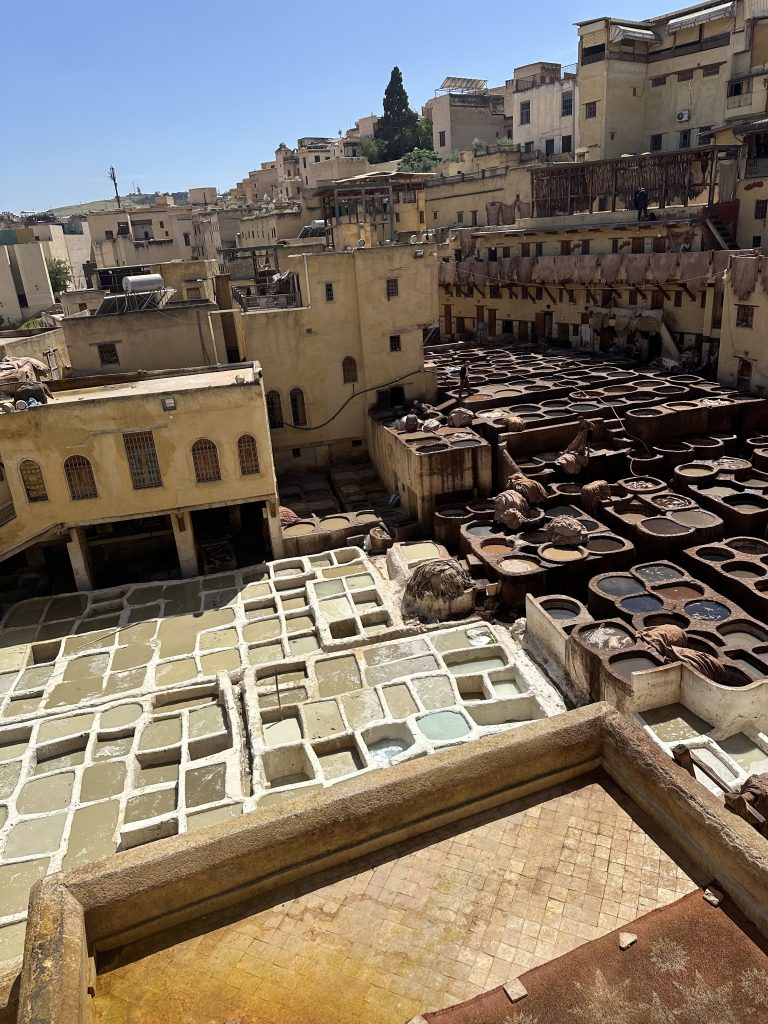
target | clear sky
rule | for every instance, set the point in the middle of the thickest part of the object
(178, 95)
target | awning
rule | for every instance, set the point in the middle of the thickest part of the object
(642, 35)
(702, 17)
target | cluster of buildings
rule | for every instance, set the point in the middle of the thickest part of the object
(262, 547)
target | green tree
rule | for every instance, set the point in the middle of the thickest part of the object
(60, 274)
(419, 160)
(425, 133)
(375, 150)
(399, 125)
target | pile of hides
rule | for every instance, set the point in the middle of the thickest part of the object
(576, 457)
(460, 417)
(755, 793)
(432, 588)
(513, 423)
(533, 492)
(670, 643)
(287, 516)
(511, 509)
(565, 531)
(409, 423)
(22, 370)
(594, 494)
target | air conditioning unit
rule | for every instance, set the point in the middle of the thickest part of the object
(683, 115)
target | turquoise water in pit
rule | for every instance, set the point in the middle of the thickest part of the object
(443, 725)
(384, 750)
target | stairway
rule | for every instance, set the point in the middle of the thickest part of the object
(722, 232)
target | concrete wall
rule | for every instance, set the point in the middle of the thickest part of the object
(464, 119)
(547, 120)
(171, 338)
(32, 273)
(34, 344)
(9, 301)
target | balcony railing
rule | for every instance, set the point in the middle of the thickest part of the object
(743, 99)
(757, 168)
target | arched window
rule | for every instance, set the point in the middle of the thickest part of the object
(298, 408)
(349, 369)
(248, 455)
(80, 478)
(274, 409)
(32, 478)
(205, 459)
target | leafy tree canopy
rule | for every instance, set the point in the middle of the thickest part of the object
(60, 274)
(419, 160)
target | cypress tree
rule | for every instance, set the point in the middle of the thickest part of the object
(398, 128)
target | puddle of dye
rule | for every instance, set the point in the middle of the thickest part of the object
(102, 780)
(633, 518)
(507, 689)
(602, 545)
(694, 518)
(678, 593)
(741, 638)
(401, 669)
(746, 574)
(694, 470)
(15, 882)
(496, 549)
(265, 653)
(304, 645)
(399, 700)
(518, 566)
(624, 667)
(206, 721)
(720, 491)
(116, 718)
(746, 506)
(663, 527)
(556, 553)
(443, 725)
(560, 611)
(658, 573)
(745, 752)
(641, 603)
(476, 665)
(340, 763)
(221, 661)
(419, 552)
(399, 649)
(155, 774)
(286, 730)
(205, 785)
(434, 692)
(337, 675)
(173, 672)
(292, 779)
(619, 586)
(52, 793)
(336, 608)
(483, 529)
(384, 750)
(352, 569)
(710, 611)
(299, 530)
(213, 816)
(674, 723)
(36, 835)
(263, 629)
(297, 695)
(61, 727)
(92, 835)
(164, 732)
(103, 749)
(219, 638)
(150, 805)
(9, 776)
(323, 718)
(610, 638)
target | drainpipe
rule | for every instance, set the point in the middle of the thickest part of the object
(306, 277)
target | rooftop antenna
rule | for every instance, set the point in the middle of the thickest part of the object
(112, 175)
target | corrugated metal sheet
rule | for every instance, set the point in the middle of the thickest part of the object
(756, 9)
(702, 17)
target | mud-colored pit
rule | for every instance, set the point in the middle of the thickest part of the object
(156, 774)
(102, 780)
(399, 700)
(674, 723)
(420, 552)
(337, 675)
(52, 793)
(624, 667)
(164, 732)
(340, 763)
(519, 566)
(206, 721)
(35, 835)
(173, 672)
(285, 730)
(475, 666)
(323, 718)
(745, 752)
(205, 785)
(150, 805)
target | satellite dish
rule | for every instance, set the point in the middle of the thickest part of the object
(361, 243)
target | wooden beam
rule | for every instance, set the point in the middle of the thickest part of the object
(552, 297)
(688, 291)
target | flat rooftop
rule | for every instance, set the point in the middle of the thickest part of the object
(426, 923)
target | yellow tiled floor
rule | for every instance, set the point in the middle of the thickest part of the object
(421, 927)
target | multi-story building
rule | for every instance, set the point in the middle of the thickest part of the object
(374, 208)
(353, 338)
(130, 236)
(670, 82)
(25, 285)
(464, 110)
(134, 479)
(542, 102)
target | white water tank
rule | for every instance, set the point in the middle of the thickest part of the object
(135, 283)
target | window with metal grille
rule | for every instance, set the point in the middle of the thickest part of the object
(685, 76)
(248, 455)
(659, 80)
(657, 142)
(205, 459)
(349, 370)
(745, 316)
(81, 482)
(525, 112)
(108, 354)
(711, 70)
(328, 291)
(590, 109)
(298, 408)
(142, 460)
(761, 209)
(394, 343)
(566, 109)
(392, 290)
(274, 409)
(32, 478)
